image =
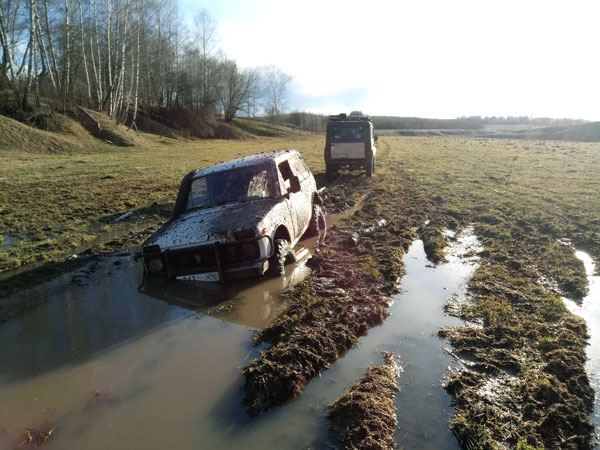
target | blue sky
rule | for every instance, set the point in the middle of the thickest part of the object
(430, 58)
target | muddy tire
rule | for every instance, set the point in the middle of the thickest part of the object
(370, 168)
(331, 173)
(279, 258)
(317, 221)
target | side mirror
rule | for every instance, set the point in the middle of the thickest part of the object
(294, 185)
(376, 137)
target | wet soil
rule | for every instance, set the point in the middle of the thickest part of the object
(523, 380)
(365, 415)
(348, 292)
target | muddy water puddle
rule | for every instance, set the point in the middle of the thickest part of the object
(589, 309)
(423, 406)
(113, 361)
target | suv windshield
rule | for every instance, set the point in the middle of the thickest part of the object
(347, 133)
(237, 185)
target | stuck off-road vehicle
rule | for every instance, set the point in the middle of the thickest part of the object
(350, 143)
(239, 218)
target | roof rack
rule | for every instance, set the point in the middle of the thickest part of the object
(349, 117)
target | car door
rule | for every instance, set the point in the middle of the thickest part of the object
(294, 200)
(304, 201)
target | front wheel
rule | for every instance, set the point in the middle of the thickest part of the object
(279, 257)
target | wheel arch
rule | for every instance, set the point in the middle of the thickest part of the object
(282, 233)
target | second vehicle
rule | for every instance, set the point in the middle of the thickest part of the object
(350, 143)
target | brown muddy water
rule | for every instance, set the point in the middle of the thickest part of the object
(115, 362)
(589, 309)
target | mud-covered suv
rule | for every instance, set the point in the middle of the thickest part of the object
(350, 142)
(239, 218)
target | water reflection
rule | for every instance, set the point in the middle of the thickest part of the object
(110, 302)
(253, 302)
(589, 309)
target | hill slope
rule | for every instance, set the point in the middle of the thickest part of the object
(85, 130)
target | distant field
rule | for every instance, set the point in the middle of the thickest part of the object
(586, 132)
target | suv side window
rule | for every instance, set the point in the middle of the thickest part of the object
(286, 173)
(286, 170)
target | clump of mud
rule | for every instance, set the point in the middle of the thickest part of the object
(35, 437)
(365, 416)
(434, 240)
(347, 293)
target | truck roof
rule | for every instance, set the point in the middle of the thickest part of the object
(245, 161)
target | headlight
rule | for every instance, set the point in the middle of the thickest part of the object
(156, 265)
(151, 249)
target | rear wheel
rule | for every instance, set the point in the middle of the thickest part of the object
(370, 168)
(279, 257)
(317, 221)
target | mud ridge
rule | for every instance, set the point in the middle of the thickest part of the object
(365, 415)
(347, 293)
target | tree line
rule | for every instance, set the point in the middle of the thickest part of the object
(119, 56)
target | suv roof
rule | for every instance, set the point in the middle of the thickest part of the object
(343, 117)
(245, 161)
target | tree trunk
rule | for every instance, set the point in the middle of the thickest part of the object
(87, 75)
(137, 68)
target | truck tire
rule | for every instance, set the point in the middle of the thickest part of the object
(370, 168)
(317, 221)
(279, 257)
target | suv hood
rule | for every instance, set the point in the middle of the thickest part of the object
(218, 223)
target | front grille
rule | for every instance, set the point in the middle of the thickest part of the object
(230, 253)
(192, 259)
(239, 252)
(203, 259)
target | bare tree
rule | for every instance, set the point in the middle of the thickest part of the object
(275, 90)
(123, 54)
(235, 86)
(137, 64)
(206, 42)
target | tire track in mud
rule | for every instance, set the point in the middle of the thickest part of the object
(347, 293)
(522, 381)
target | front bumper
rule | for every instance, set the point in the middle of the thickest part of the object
(226, 259)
